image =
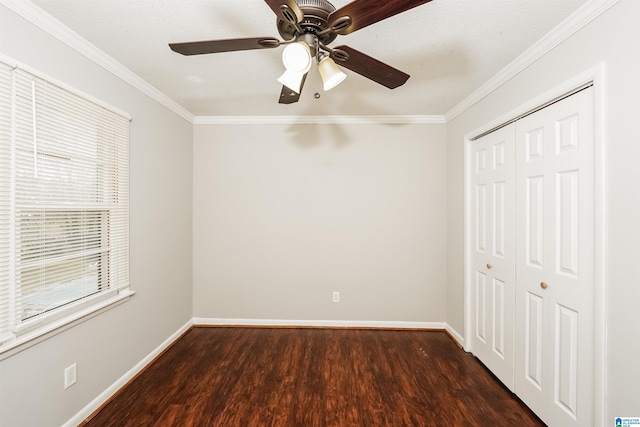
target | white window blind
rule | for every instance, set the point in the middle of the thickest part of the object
(64, 206)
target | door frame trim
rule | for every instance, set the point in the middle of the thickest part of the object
(596, 76)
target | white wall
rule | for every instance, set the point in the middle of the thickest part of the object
(613, 38)
(286, 214)
(107, 346)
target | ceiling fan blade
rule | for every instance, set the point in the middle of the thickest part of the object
(369, 67)
(288, 96)
(287, 10)
(360, 13)
(226, 45)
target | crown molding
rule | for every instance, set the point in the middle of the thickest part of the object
(587, 13)
(46, 22)
(314, 120)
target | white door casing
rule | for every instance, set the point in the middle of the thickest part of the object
(554, 364)
(493, 252)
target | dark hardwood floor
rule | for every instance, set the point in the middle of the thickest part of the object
(314, 377)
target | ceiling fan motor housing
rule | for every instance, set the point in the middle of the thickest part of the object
(316, 16)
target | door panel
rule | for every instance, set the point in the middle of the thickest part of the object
(566, 360)
(499, 222)
(481, 315)
(534, 225)
(498, 332)
(481, 218)
(567, 222)
(533, 340)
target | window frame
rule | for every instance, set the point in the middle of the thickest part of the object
(21, 332)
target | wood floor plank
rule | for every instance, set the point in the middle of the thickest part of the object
(314, 377)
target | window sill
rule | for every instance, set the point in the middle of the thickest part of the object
(49, 330)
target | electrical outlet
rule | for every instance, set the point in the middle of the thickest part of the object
(336, 297)
(70, 376)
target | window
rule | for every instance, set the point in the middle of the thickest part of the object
(64, 233)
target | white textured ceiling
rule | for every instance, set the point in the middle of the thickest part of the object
(449, 47)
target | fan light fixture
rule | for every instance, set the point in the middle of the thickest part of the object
(330, 73)
(296, 58)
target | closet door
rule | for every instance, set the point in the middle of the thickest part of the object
(554, 363)
(493, 252)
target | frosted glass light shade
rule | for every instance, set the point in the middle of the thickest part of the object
(296, 58)
(330, 73)
(292, 80)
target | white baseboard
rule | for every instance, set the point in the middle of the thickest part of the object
(111, 390)
(205, 321)
(455, 335)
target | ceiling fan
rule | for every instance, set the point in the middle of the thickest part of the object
(308, 27)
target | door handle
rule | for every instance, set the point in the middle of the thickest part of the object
(544, 285)
(489, 266)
